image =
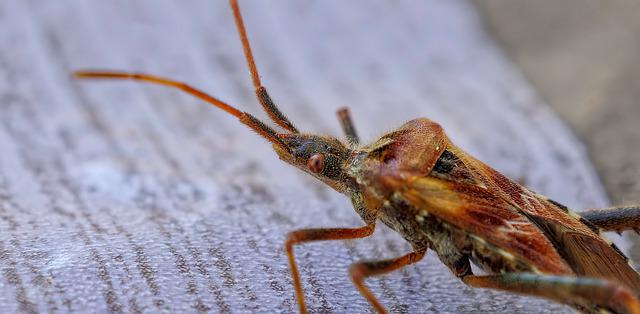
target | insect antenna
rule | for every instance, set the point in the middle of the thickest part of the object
(261, 92)
(247, 119)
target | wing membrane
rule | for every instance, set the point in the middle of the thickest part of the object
(589, 257)
(586, 252)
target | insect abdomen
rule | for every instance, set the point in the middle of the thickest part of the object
(451, 243)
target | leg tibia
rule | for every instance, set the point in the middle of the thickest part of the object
(360, 271)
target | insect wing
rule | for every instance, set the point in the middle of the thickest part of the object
(486, 216)
(584, 250)
(588, 257)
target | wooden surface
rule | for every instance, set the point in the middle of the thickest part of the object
(117, 197)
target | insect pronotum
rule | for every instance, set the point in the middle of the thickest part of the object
(416, 181)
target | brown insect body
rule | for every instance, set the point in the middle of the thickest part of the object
(524, 230)
(438, 197)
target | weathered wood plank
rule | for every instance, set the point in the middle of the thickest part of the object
(117, 197)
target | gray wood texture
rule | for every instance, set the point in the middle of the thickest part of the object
(117, 197)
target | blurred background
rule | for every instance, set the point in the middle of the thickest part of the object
(582, 57)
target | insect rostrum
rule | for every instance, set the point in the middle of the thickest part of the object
(416, 181)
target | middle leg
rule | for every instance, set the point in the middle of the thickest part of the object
(360, 271)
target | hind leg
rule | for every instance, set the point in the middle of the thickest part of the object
(588, 294)
(614, 218)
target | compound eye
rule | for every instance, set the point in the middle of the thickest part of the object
(315, 163)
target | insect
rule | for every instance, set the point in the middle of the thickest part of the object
(416, 181)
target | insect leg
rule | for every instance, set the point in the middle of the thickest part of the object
(614, 218)
(261, 92)
(574, 291)
(360, 271)
(347, 126)
(310, 235)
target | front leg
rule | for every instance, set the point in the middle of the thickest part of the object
(588, 294)
(310, 235)
(347, 126)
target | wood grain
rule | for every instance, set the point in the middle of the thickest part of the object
(117, 197)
